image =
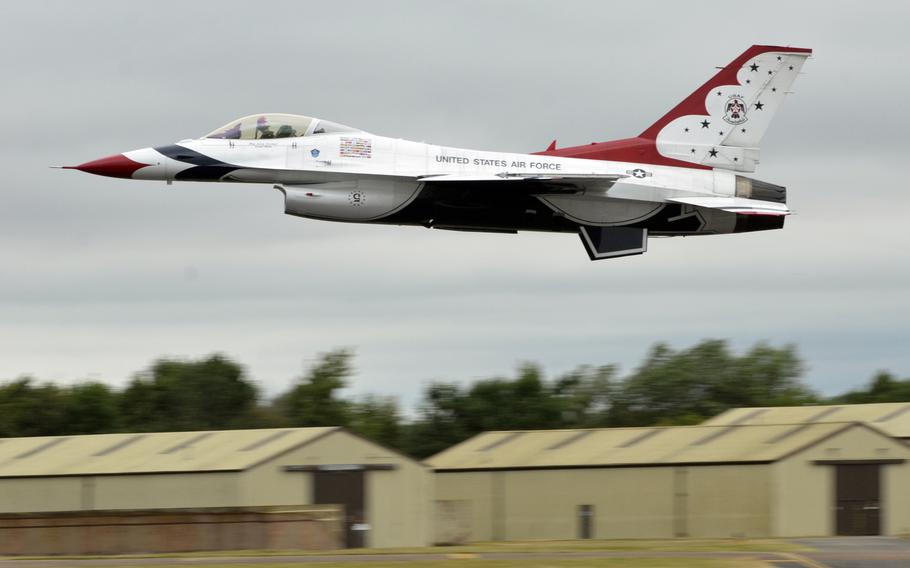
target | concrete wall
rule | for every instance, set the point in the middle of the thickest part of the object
(471, 493)
(896, 499)
(122, 492)
(804, 493)
(803, 499)
(165, 491)
(38, 494)
(646, 502)
(452, 522)
(628, 503)
(133, 532)
(728, 501)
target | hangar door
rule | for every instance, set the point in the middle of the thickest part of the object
(343, 487)
(858, 506)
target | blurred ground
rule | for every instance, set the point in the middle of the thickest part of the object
(859, 552)
(843, 552)
(525, 560)
(674, 553)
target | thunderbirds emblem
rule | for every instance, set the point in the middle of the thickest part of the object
(735, 110)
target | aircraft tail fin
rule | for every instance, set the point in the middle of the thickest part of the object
(721, 124)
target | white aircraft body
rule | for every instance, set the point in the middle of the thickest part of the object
(681, 176)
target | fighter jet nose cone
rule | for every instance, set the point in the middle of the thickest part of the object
(117, 165)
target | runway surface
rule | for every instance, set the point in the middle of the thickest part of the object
(859, 552)
(369, 558)
(852, 552)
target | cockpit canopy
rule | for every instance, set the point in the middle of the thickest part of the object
(274, 125)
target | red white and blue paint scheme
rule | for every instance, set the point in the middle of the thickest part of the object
(681, 176)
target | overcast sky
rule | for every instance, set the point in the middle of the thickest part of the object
(99, 276)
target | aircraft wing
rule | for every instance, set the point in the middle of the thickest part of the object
(739, 205)
(540, 183)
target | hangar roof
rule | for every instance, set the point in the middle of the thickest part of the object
(892, 418)
(616, 447)
(159, 452)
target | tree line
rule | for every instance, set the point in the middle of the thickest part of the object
(669, 387)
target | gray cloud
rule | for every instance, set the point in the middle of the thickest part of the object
(98, 276)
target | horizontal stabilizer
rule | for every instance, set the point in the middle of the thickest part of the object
(612, 242)
(735, 205)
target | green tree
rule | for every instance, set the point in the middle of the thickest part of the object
(525, 402)
(90, 408)
(883, 387)
(314, 400)
(685, 387)
(208, 394)
(669, 387)
(765, 376)
(377, 418)
(449, 413)
(586, 395)
(27, 409)
(441, 421)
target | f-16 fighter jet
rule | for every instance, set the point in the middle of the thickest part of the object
(681, 176)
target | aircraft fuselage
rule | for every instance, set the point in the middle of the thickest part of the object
(681, 176)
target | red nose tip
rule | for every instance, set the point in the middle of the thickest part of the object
(118, 166)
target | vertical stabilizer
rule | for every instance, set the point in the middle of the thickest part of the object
(722, 123)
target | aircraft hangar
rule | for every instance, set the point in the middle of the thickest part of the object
(387, 495)
(727, 480)
(750, 472)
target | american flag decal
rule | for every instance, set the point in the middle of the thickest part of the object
(356, 148)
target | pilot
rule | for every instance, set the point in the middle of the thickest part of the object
(263, 129)
(285, 131)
